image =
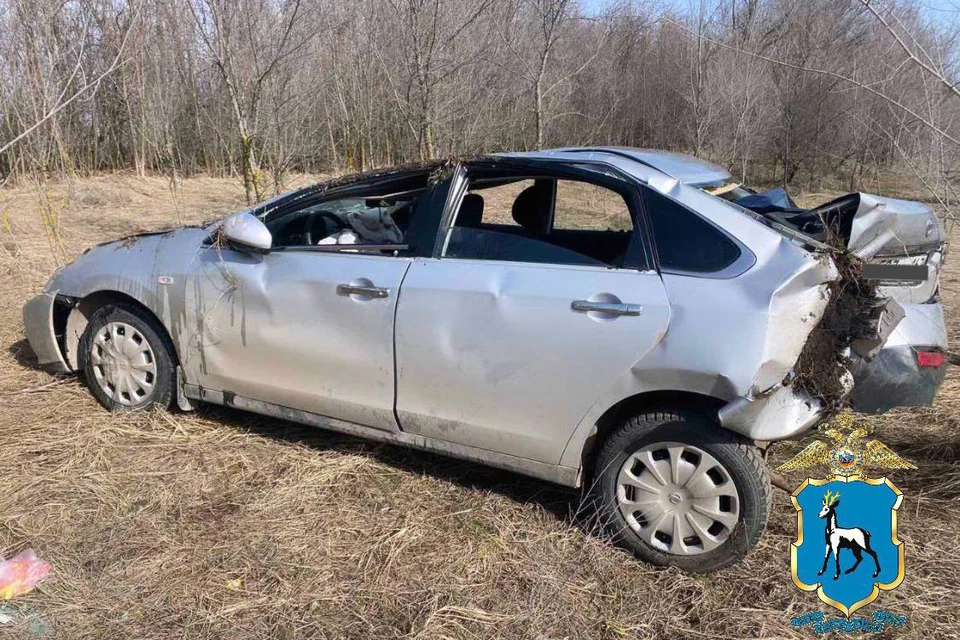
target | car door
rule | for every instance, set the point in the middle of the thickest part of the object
(303, 326)
(508, 336)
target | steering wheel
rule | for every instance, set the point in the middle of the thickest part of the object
(313, 234)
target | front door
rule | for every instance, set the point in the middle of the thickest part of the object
(310, 324)
(306, 330)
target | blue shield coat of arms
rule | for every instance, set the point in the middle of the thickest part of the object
(847, 548)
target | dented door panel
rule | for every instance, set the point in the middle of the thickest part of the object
(275, 328)
(492, 354)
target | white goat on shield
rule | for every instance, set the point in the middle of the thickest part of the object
(837, 538)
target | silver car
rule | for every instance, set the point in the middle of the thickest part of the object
(592, 317)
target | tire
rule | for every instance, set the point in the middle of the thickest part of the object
(141, 374)
(712, 460)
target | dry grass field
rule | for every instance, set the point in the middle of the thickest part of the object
(219, 524)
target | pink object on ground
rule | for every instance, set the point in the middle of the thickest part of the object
(21, 573)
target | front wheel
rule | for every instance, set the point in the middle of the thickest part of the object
(678, 490)
(127, 360)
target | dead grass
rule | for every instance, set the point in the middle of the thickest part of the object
(147, 517)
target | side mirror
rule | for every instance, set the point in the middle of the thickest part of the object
(247, 230)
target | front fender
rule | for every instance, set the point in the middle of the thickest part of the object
(149, 269)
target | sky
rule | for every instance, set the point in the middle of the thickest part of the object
(944, 11)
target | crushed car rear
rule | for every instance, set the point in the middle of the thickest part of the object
(902, 244)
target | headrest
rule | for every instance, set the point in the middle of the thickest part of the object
(471, 211)
(531, 209)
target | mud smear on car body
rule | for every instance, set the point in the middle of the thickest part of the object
(851, 315)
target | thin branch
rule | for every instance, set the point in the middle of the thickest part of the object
(906, 49)
(95, 85)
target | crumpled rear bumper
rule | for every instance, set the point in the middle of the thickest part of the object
(778, 414)
(38, 322)
(894, 379)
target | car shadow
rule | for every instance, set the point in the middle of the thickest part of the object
(23, 355)
(561, 502)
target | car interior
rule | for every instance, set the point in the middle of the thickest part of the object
(310, 225)
(307, 217)
(533, 237)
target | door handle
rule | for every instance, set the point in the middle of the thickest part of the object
(612, 308)
(361, 290)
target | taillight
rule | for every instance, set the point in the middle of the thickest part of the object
(933, 359)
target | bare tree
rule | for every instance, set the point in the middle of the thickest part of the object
(53, 100)
(532, 34)
(249, 42)
(782, 91)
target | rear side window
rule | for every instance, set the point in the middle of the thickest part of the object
(685, 241)
(498, 200)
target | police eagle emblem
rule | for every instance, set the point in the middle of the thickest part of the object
(847, 454)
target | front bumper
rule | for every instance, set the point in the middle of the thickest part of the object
(38, 322)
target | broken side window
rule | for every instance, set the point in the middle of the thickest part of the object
(367, 217)
(542, 219)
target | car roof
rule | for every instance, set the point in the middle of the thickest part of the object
(685, 168)
(651, 166)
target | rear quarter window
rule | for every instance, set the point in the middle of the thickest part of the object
(684, 240)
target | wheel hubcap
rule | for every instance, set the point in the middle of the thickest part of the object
(677, 498)
(123, 363)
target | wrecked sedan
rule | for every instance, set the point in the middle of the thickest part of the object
(589, 317)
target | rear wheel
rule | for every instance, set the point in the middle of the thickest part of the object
(678, 490)
(127, 360)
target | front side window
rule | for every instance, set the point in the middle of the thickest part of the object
(544, 220)
(384, 210)
(373, 220)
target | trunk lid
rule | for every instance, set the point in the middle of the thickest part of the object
(902, 241)
(868, 225)
(877, 227)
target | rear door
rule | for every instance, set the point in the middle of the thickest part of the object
(528, 313)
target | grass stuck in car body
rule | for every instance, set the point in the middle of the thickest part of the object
(149, 519)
